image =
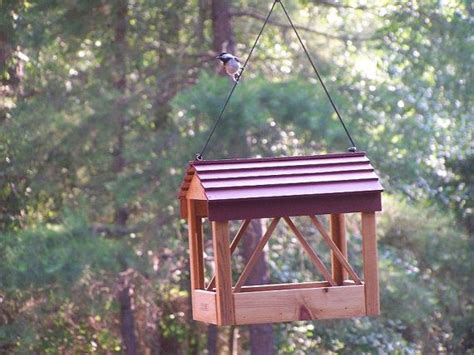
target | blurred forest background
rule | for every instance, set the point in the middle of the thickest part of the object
(102, 103)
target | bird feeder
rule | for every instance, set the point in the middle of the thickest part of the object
(279, 189)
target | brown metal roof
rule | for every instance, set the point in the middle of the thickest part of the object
(316, 182)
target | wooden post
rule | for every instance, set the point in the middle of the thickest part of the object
(371, 274)
(233, 246)
(338, 234)
(200, 252)
(224, 297)
(195, 247)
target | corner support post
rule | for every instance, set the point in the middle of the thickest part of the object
(371, 273)
(224, 296)
(195, 247)
(338, 235)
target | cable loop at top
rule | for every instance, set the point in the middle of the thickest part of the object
(203, 150)
(199, 156)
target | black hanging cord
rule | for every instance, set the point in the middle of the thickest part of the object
(353, 148)
(200, 154)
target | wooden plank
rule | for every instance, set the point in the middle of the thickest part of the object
(255, 255)
(315, 259)
(199, 252)
(285, 286)
(195, 190)
(300, 304)
(195, 260)
(183, 208)
(371, 274)
(335, 250)
(204, 306)
(201, 208)
(224, 299)
(338, 235)
(233, 246)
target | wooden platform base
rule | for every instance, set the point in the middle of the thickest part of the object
(265, 304)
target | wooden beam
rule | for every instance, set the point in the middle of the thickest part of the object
(285, 286)
(299, 304)
(336, 252)
(224, 298)
(195, 190)
(233, 246)
(315, 259)
(338, 234)
(200, 252)
(195, 247)
(204, 306)
(255, 255)
(371, 274)
(201, 208)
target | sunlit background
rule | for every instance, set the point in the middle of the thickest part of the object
(103, 103)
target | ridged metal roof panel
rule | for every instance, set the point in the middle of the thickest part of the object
(284, 177)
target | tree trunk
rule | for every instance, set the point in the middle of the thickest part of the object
(261, 336)
(212, 339)
(127, 321)
(202, 16)
(223, 36)
(119, 78)
(120, 84)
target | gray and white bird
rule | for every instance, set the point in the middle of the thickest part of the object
(231, 64)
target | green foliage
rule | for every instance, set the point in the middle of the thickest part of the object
(428, 272)
(55, 270)
(262, 118)
(76, 98)
(70, 247)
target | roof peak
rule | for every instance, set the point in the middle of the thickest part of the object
(281, 158)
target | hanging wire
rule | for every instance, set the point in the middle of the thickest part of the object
(203, 150)
(353, 147)
(199, 156)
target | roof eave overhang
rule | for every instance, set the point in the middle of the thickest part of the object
(223, 210)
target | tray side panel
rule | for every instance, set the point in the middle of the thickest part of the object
(204, 306)
(299, 304)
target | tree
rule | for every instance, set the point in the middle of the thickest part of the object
(261, 336)
(102, 103)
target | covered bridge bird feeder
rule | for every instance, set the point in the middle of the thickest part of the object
(280, 188)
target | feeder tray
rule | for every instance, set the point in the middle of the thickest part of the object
(280, 188)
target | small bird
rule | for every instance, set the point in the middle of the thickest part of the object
(231, 65)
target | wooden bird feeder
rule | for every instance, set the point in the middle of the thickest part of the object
(280, 188)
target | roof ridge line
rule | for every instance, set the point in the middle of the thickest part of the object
(283, 158)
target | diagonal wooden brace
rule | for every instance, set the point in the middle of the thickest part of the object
(255, 255)
(315, 259)
(337, 253)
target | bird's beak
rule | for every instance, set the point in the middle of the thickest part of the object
(218, 57)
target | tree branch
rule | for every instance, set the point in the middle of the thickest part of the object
(256, 15)
(112, 230)
(337, 4)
